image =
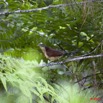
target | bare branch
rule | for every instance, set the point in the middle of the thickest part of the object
(83, 57)
(44, 8)
(73, 59)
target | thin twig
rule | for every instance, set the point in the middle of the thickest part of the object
(100, 44)
(88, 76)
(44, 8)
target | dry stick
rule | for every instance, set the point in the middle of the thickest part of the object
(43, 8)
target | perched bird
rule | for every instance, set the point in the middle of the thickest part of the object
(50, 53)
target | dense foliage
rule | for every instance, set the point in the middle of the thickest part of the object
(62, 24)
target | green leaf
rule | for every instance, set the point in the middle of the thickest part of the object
(4, 80)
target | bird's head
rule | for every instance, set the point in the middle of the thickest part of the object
(41, 45)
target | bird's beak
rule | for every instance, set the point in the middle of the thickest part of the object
(40, 44)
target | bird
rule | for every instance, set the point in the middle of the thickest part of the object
(50, 53)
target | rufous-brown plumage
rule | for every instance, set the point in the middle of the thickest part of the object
(50, 53)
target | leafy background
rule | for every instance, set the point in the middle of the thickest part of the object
(78, 25)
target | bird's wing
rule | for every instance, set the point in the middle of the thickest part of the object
(53, 53)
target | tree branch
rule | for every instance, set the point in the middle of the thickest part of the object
(73, 59)
(47, 7)
(83, 57)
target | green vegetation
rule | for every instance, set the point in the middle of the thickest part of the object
(62, 24)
